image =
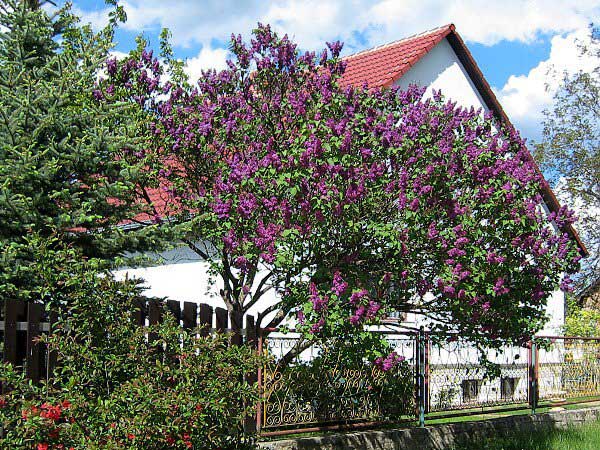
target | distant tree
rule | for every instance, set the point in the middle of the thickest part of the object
(63, 170)
(581, 321)
(569, 153)
(349, 203)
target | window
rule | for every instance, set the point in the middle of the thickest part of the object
(400, 315)
(508, 387)
(470, 390)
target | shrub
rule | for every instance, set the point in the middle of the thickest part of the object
(122, 386)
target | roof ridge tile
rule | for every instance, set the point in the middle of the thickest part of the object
(399, 41)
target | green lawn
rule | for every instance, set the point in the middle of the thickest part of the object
(585, 437)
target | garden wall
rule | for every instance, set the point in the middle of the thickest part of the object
(439, 437)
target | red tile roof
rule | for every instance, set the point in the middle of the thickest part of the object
(159, 201)
(382, 66)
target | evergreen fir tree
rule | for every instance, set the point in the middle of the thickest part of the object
(64, 171)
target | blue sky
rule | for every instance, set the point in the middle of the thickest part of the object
(517, 44)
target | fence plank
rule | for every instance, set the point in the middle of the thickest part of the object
(51, 355)
(250, 331)
(190, 311)
(236, 326)
(10, 330)
(34, 315)
(206, 313)
(221, 319)
(154, 317)
(175, 309)
(139, 312)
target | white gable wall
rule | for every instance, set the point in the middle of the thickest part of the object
(183, 277)
(441, 70)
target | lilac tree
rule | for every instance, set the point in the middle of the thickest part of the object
(349, 203)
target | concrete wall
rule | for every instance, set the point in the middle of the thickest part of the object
(182, 275)
(439, 437)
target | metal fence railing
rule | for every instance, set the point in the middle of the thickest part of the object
(457, 379)
(568, 368)
(319, 389)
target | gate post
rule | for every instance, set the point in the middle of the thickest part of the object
(260, 375)
(533, 375)
(421, 375)
(251, 342)
(426, 396)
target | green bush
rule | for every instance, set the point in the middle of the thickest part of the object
(117, 388)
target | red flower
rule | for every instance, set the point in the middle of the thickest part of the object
(26, 413)
(53, 434)
(2, 402)
(42, 446)
(131, 436)
(50, 412)
(66, 404)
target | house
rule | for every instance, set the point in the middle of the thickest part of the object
(590, 297)
(438, 60)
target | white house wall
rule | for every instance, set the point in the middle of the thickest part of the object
(182, 276)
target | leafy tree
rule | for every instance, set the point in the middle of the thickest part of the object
(349, 203)
(70, 178)
(62, 168)
(570, 152)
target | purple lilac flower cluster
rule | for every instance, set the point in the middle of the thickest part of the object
(337, 192)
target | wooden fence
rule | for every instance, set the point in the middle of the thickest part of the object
(21, 325)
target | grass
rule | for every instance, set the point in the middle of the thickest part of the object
(583, 437)
(495, 412)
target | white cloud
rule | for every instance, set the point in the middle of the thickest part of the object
(525, 97)
(119, 55)
(312, 22)
(98, 19)
(194, 22)
(208, 58)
